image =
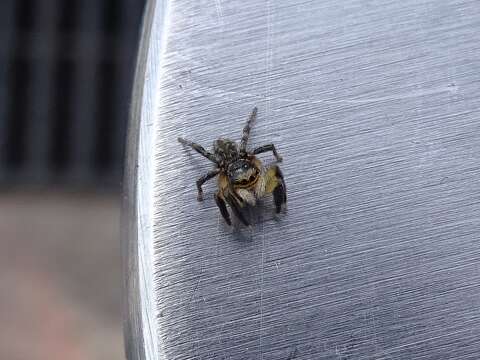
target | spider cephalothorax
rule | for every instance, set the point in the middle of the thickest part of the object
(242, 178)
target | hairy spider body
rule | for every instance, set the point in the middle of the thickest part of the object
(242, 177)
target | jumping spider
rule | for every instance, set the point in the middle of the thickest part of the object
(242, 177)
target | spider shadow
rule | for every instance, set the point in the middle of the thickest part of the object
(258, 216)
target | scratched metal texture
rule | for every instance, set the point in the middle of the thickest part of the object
(374, 106)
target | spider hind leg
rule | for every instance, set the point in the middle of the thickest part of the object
(198, 148)
(246, 130)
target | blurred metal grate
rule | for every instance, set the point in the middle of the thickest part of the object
(66, 69)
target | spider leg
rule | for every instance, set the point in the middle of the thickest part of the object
(269, 147)
(246, 130)
(202, 180)
(198, 148)
(235, 205)
(220, 201)
(276, 186)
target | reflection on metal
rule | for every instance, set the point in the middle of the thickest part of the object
(373, 107)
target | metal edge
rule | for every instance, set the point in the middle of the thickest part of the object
(140, 333)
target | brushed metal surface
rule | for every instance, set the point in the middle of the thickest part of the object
(374, 107)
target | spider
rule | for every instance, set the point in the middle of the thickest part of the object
(242, 177)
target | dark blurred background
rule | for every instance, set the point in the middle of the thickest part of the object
(66, 70)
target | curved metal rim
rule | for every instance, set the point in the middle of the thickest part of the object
(140, 333)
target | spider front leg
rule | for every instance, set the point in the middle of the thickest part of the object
(236, 206)
(202, 180)
(276, 186)
(220, 201)
(265, 148)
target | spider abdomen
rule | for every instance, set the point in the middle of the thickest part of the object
(225, 150)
